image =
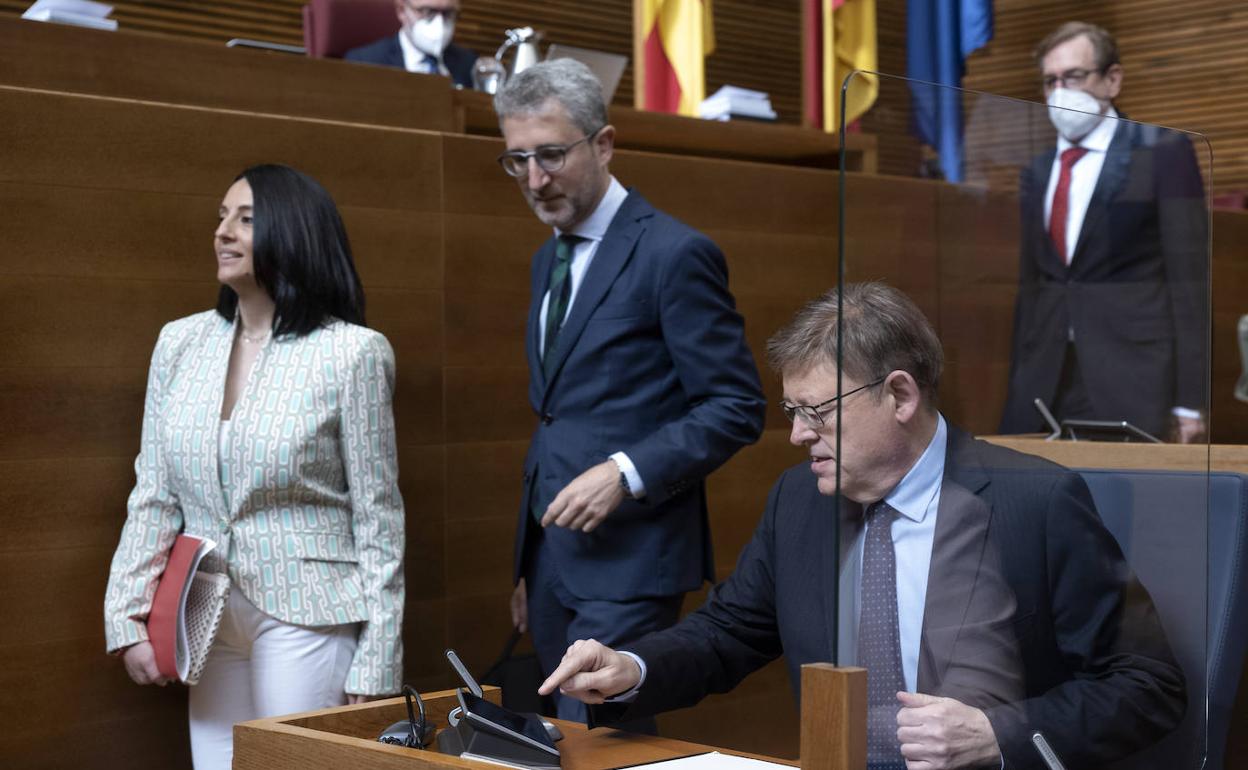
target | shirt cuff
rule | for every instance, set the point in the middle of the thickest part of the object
(628, 696)
(635, 486)
(1182, 411)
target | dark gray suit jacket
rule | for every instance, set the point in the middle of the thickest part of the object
(652, 361)
(1135, 293)
(1031, 614)
(389, 53)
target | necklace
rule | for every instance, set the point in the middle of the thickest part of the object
(253, 340)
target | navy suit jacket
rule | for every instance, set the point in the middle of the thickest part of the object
(389, 53)
(1031, 613)
(1135, 293)
(651, 361)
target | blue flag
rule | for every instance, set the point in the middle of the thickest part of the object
(940, 35)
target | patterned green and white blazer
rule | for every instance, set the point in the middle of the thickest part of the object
(314, 535)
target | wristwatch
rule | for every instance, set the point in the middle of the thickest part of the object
(628, 491)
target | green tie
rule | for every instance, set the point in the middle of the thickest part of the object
(560, 293)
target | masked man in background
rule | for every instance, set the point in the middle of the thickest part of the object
(1111, 320)
(423, 44)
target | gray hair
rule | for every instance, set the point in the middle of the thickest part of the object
(882, 331)
(567, 81)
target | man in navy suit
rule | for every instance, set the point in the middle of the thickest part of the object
(990, 604)
(1111, 321)
(639, 376)
(423, 43)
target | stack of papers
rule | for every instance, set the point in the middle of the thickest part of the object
(713, 761)
(732, 102)
(82, 13)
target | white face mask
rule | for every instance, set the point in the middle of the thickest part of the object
(431, 35)
(1074, 125)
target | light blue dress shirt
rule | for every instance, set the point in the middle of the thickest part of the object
(916, 498)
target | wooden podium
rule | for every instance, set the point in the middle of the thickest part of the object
(834, 731)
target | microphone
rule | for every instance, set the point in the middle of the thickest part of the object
(1050, 419)
(1241, 387)
(411, 732)
(462, 670)
(1046, 751)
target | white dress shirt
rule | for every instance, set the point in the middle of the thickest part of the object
(1083, 176)
(591, 232)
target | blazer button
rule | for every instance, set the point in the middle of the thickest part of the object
(548, 418)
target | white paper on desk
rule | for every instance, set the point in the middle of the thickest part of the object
(79, 7)
(739, 93)
(713, 761)
(80, 13)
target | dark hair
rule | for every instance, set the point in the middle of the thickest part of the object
(1104, 47)
(300, 253)
(883, 331)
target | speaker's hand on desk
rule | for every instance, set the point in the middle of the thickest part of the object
(587, 500)
(140, 660)
(592, 672)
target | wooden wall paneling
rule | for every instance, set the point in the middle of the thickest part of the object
(1176, 57)
(978, 241)
(180, 71)
(679, 135)
(758, 43)
(890, 234)
(92, 142)
(1179, 63)
(112, 211)
(758, 716)
(71, 706)
(1228, 415)
(277, 21)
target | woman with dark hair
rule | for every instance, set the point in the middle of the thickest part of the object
(268, 429)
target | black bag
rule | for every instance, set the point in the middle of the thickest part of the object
(519, 676)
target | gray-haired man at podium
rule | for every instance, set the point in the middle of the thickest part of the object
(976, 585)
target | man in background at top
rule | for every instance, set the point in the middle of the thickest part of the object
(1111, 321)
(423, 44)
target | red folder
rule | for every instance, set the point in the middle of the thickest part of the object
(169, 606)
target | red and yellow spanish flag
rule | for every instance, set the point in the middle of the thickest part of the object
(671, 39)
(838, 37)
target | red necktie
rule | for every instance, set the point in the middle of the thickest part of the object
(1060, 210)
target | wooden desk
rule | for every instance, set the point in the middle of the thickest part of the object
(1102, 454)
(346, 737)
(169, 70)
(734, 140)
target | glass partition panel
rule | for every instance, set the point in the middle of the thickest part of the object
(1061, 568)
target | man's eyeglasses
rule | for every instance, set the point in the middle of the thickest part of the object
(1069, 78)
(549, 157)
(813, 415)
